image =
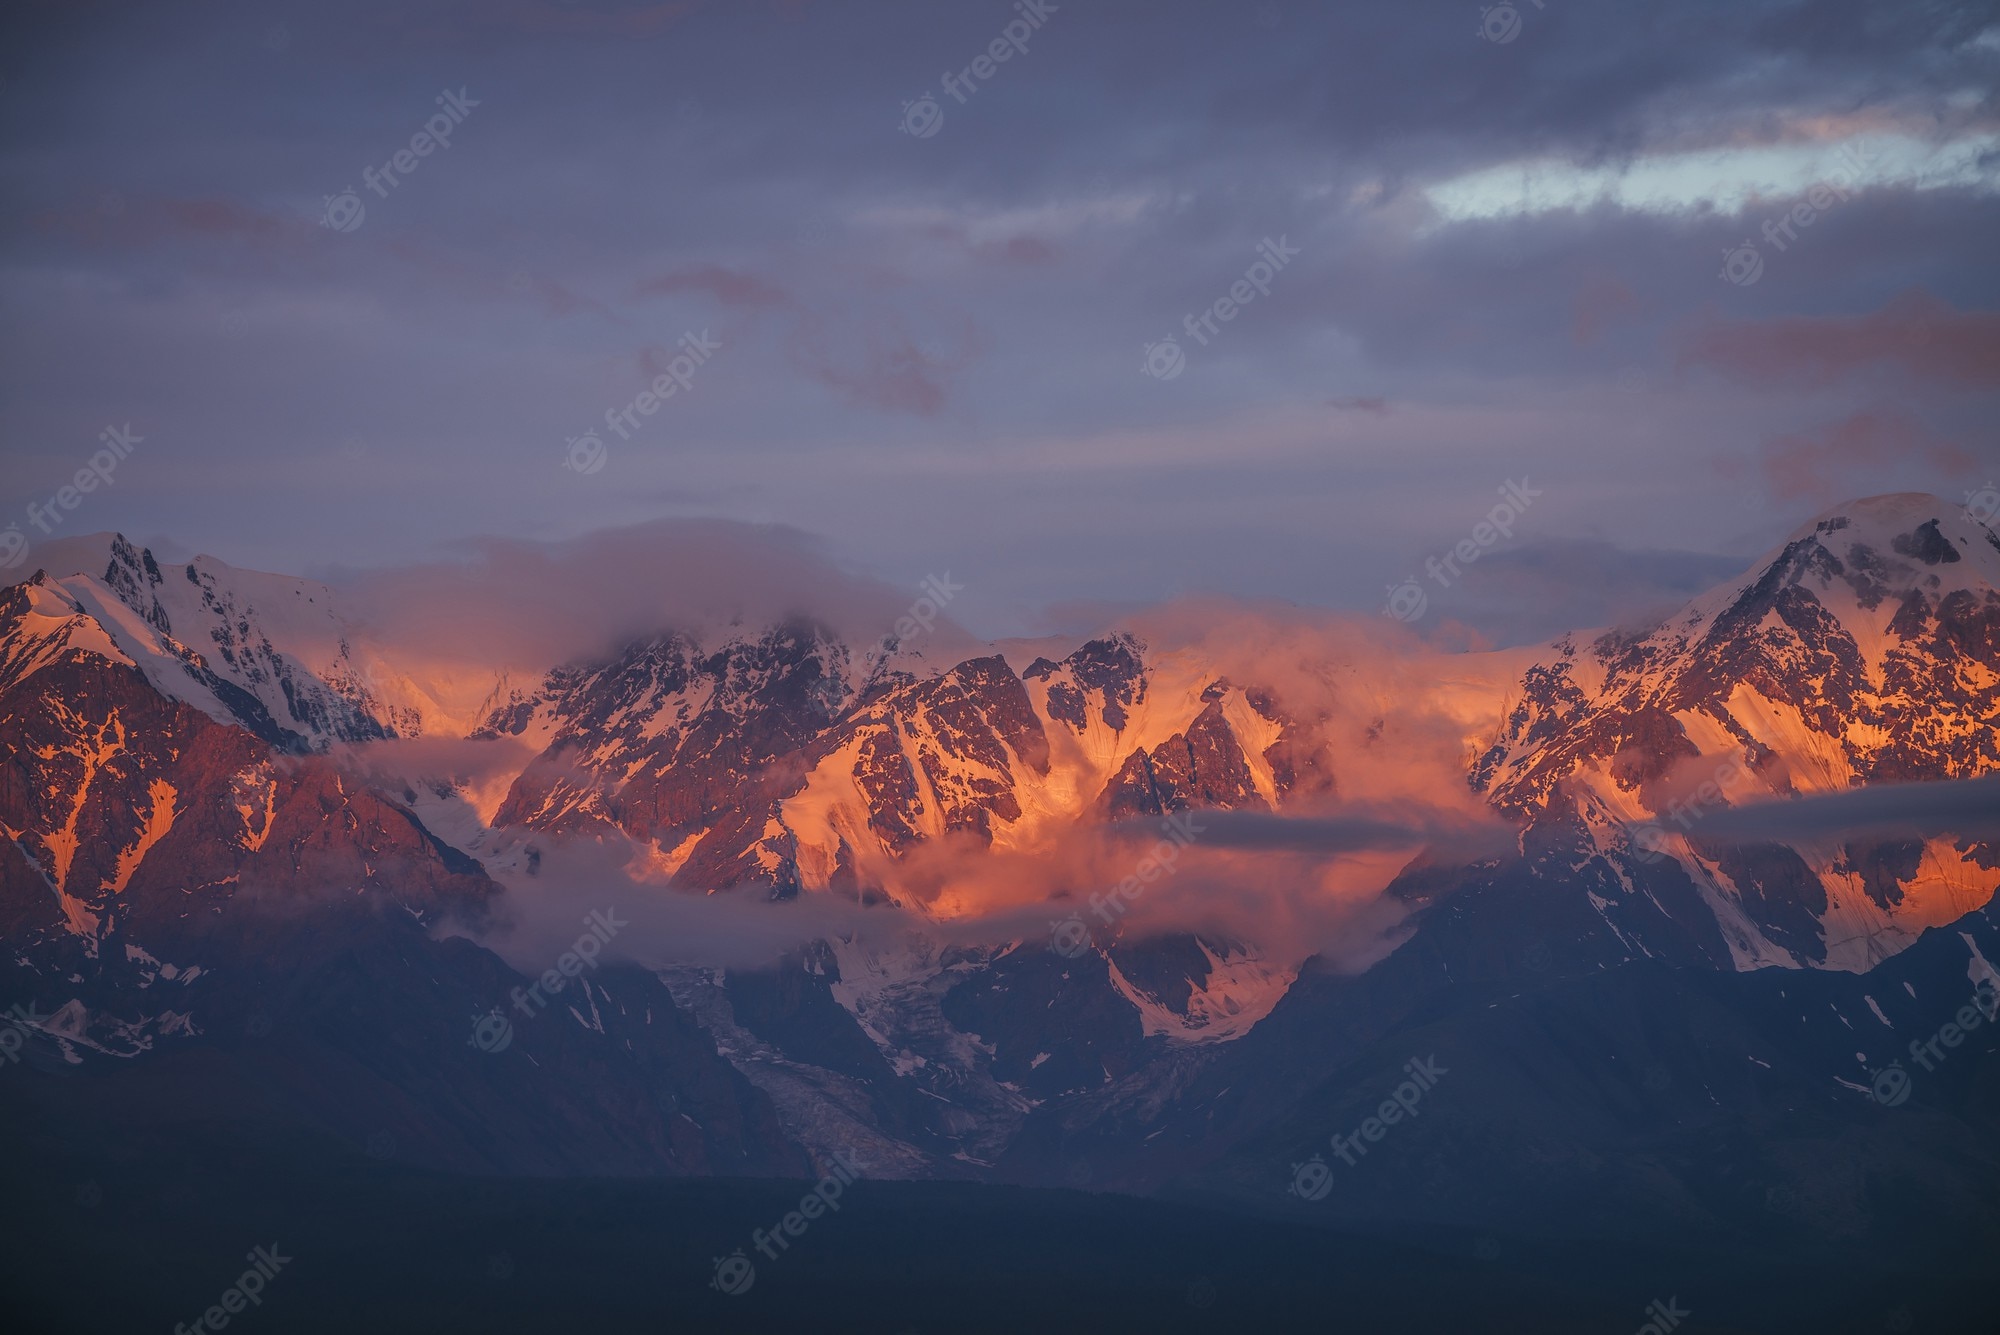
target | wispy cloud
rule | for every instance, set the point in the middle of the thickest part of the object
(1915, 334)
(1968, 808)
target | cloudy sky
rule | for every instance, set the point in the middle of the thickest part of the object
(1692, 272)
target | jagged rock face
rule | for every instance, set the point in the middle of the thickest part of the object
(707, 753)
(1012, 761)
(944, 749)
(329, 706)
(666, 739)
(1104, 676)
(135, 577)
(140, 811)
(1208, 762)
(101, 768)
(1302, 764)
(1202, 767)
(204, 634)
(916, 761)
(1867, 650)
(1922, 707)
(764, 764)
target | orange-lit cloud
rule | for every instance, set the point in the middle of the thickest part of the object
(1917, 334)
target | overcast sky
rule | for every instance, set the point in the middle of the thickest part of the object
(939, 333)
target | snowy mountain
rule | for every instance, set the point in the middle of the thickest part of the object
(169, 882)
(190, 746)
(1861, 651)
(270, 653)
(1864, 650)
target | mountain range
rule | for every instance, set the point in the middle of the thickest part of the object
(1167, 911)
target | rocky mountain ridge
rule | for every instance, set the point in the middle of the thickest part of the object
(180, 765)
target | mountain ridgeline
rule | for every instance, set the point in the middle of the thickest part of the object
(208, 885)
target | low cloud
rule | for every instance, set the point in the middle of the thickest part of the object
(526, 606)
(1541, 588)
(1259, 831)
(1287, 902)
(1968, 808)
(537, 917)
(478, 770)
